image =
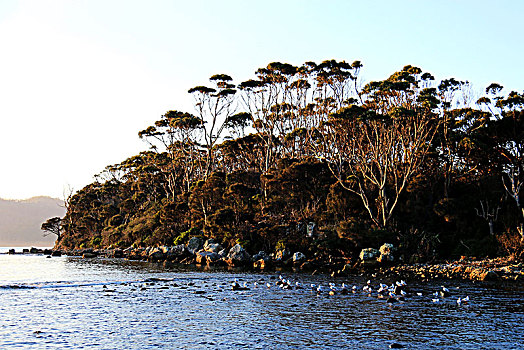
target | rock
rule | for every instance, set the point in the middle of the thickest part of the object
(386, 253)
(25, 251)
(155, 254)
(261, 255)
(59, 253)
(223, 253)
(195, 244)
(203, 257)
(117, 253)
(386, 249)
(177, 253)
(238, 256)
(489, 276)
(385, 258)
(368, 254)
(212, 247)
(86, 255)
(298, 257)
(11, 251)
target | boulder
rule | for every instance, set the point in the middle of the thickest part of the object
(298, 257)
(261, 255)
(59, 253)
(489, 276)
(369, 254)
(205, 257)
(386, 253)
(212, 246)
(155, 254)
(237, 256)
(86, 255)
(386, 258)
(195, 244)
(177, 253)
(386, 249)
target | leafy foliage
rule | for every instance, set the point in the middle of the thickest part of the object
(406, 159)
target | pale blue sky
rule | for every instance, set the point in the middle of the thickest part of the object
(79, 79)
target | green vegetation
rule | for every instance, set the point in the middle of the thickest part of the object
(406, 160)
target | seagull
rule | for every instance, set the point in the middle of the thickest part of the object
(463, 300)
(236, 286)
(391, 298)
(383, 288)
(444, 292)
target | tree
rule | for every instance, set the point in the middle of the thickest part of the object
(214, 107)
(375, 149)
(53, 226)
(177, 133)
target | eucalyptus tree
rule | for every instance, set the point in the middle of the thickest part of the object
(265, 99)
(175, 139)
(511, 145)
(214, 108)
(374, 148)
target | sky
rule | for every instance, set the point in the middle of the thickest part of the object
(79, 79)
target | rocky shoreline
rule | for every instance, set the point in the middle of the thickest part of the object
(371, 262)
(497, 269)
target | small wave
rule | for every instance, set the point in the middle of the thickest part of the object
(60, 284)
(16, 286)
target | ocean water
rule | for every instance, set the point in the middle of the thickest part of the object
(75, 303)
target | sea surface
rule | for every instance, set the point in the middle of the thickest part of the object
(75, 303)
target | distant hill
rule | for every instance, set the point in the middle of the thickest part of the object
(20, 221)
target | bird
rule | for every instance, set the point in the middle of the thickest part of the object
(391, 298)
(444, 292)
(236, 286)
(463, 300)
(320, 289)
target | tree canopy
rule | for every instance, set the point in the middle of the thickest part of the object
(420, 163)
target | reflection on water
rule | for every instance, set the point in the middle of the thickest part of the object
(117, 304)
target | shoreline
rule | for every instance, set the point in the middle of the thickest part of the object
(502, 269)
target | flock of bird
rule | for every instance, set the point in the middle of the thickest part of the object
(393, 293)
